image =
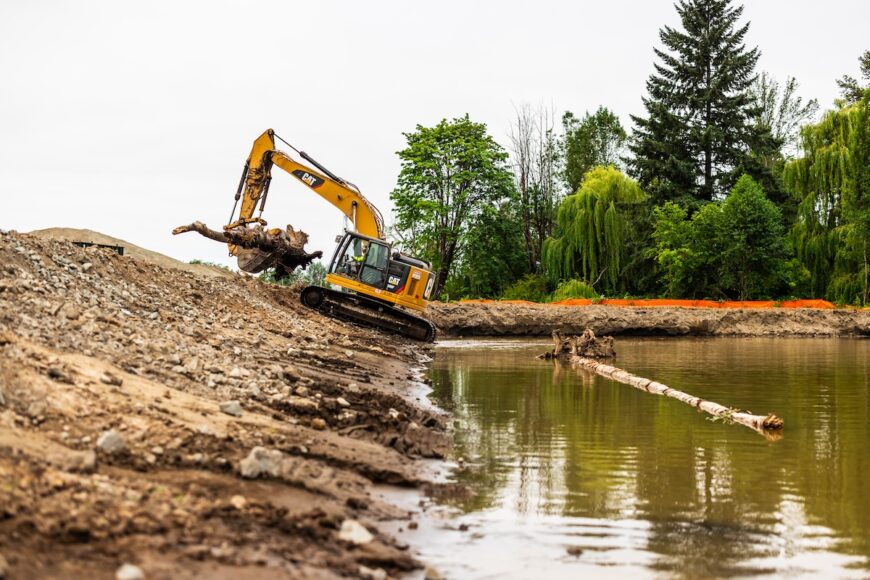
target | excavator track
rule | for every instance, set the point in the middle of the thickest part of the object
(367, 311)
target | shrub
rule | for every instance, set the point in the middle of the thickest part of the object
(530, 287)
(573, 289)
(197, 261)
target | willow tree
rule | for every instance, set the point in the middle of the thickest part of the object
(832, 180)
(590, 229)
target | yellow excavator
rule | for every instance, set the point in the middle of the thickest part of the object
(368, 282)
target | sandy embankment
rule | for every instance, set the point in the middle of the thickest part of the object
(194, 426)
(510, 319)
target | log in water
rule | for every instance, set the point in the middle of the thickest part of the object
(760, 423)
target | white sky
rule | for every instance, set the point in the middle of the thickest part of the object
(131, 118)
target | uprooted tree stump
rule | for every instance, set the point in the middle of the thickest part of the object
(586, 345)
(572, 348)
(259, 248)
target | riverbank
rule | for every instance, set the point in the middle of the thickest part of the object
(513, 319)
(194, 426)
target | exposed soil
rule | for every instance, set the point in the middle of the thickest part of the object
(511, 319)
(131, 250)
(194, 426)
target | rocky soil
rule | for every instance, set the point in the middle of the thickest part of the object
(160, 423)
(510, 319)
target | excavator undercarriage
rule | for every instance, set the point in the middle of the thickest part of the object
(368, 311)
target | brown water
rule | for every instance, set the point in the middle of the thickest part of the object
(578, 476)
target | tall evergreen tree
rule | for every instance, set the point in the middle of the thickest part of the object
(699, 125)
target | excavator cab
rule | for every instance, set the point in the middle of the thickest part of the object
(369, 266)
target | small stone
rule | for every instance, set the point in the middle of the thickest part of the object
(239, 502)
(354, 532)
(192, 364)
(301, 391)
(150, 458)
(348, 353)
(157, 450)
(372, 573)
(318, 423)
(413, 525)
(59, 375)
(110, 442)
(87, 266)
(302, 404)
(233, 408)
(342, 401)
(129, 572)
(261, 461)
(574, 550)
(70, 311)
(237, 373)
(2, 397)
(291, 374)
(111, 379)
(432, 574)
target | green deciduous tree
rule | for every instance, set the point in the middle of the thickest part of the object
(734, 248)
(596, 139)
(494, 254)
(699, 123)
(450, 174)
(590, 229)
(832, 180)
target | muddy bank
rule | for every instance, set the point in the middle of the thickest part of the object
(194, 426)
(494, 319)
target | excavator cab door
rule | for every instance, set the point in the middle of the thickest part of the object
(363, 259)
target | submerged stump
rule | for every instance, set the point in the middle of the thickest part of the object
(586, 345)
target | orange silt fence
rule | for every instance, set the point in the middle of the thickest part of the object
(668, 302)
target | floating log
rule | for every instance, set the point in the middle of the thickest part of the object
(580, 351)
(258, 248)
(760, 423)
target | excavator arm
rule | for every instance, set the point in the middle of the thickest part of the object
(257, 175)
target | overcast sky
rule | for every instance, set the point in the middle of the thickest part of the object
(131, 118)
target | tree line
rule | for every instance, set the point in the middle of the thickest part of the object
(729, 186)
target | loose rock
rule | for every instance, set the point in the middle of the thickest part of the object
(233, 408)
(261, 461)
(110, 442)
(129, 572)
(354, 532)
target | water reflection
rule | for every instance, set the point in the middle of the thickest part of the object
(635, 483)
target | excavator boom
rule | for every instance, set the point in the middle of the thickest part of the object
(256, 177)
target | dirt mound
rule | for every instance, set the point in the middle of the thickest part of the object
(528, 319)
(193, 426)
(131, 250)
